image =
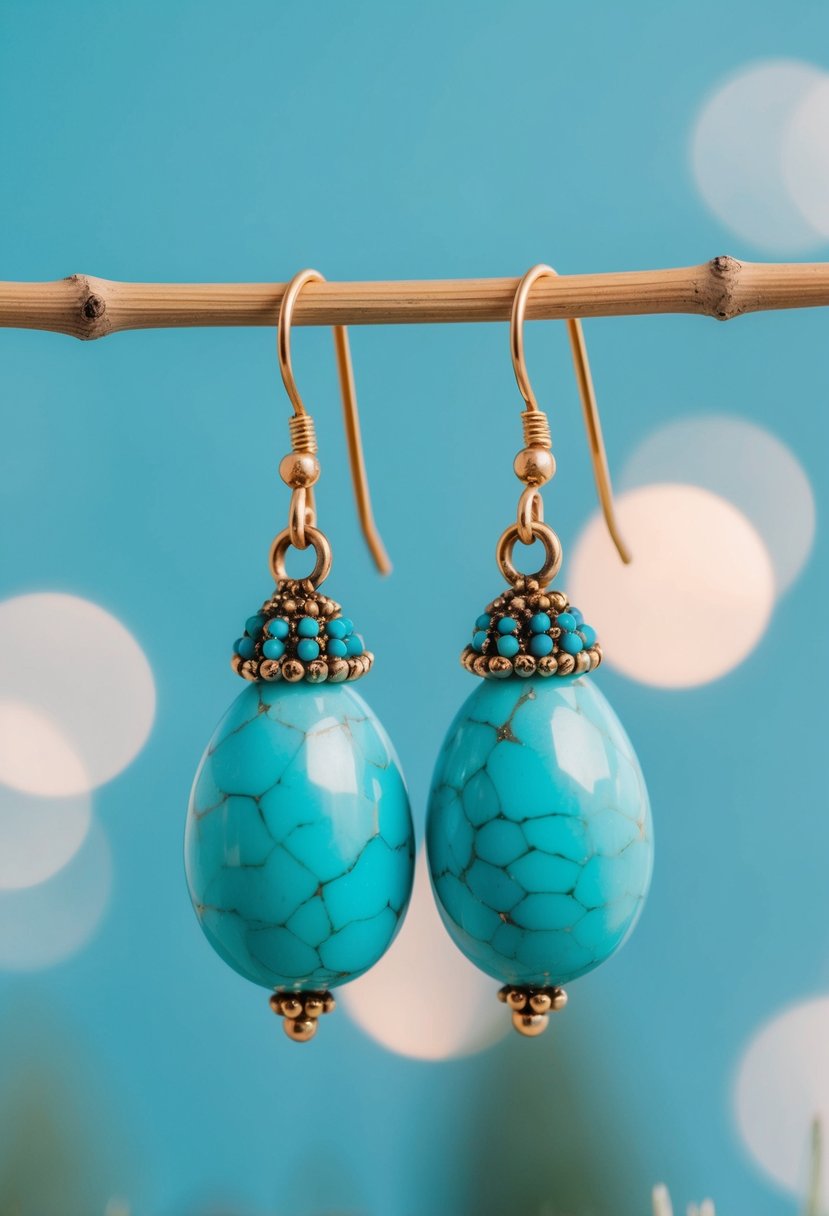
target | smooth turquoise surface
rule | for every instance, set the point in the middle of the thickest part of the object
(539, 830)
(299, 846)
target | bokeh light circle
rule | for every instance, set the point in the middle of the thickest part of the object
(744, 463)
(806, 156)
(739, 147)
(402, 1002)
(38, 836)
(69, 671)
(695, 600)
(782, 1085)
(45, 924)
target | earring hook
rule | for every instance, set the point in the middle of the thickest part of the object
(590, 410)
(302, 424)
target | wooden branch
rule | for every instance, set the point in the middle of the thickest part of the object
(86, 307)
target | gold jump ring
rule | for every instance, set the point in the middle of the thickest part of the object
(317, 540)
(552, 548)
(530, 511)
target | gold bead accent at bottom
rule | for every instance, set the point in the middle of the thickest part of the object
(300, 1029)
(530, 1024)
(532, 1006)
(301, 1012)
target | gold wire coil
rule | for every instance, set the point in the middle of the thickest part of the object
(303, 433)
(552, 549)
(530, 511)
(321, 546)
(536, 429)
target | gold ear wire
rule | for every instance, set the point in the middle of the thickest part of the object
(303, 435)
(536, 427)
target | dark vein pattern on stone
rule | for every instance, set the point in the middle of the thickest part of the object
(539, 830)
(299, 846)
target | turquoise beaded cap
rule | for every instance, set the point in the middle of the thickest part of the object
(300, 634)
(529, 630)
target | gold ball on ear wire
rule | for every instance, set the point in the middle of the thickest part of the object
(534, 466)
(299, 469)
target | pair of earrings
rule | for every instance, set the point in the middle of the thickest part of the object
(299, 844)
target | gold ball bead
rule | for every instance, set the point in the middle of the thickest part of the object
(292, 670)
(516, 999)
(330, 1003)
(530, 1024)
(317, 671)
(312, 608)
(500, 667)
(299, 469)
(355, 668)
(300, 1029)
(337, 670)
(524, 665)
(582, 661)
(289, 606)
(541, 1002)
(534, 466)
(566, 664)
(275, 1002)
(503, 993)
(559, 999)
(314, 1006)
(558, 601)
(290, 1007)
(270, 669)
(548, 665)
(481, 665)
(236, 662)
(250, 670)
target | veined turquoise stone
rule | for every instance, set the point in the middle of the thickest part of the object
(539, 830)
(299, 847)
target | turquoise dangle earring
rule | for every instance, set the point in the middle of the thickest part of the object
(299, 846)
(539, 830)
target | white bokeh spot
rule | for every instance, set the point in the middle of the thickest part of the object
(39, 836)
(744, 168)
(77, 697)
(782, 1085)
(697, 597)
(806, 156)
(45, 924)
(744, 463)
(402, 1002)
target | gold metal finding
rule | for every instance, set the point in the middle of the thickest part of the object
(552, 553)
(301, 473)
(301, 1012)
(321, 546)
(530, 466)
(531, 1007)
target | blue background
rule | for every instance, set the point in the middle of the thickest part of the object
(207, 142)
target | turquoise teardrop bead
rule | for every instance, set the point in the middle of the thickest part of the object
(539, 830)
(299, 847)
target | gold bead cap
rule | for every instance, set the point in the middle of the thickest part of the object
(301, 1012)
(531, 1007)
(529, 630)
(280, 642)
